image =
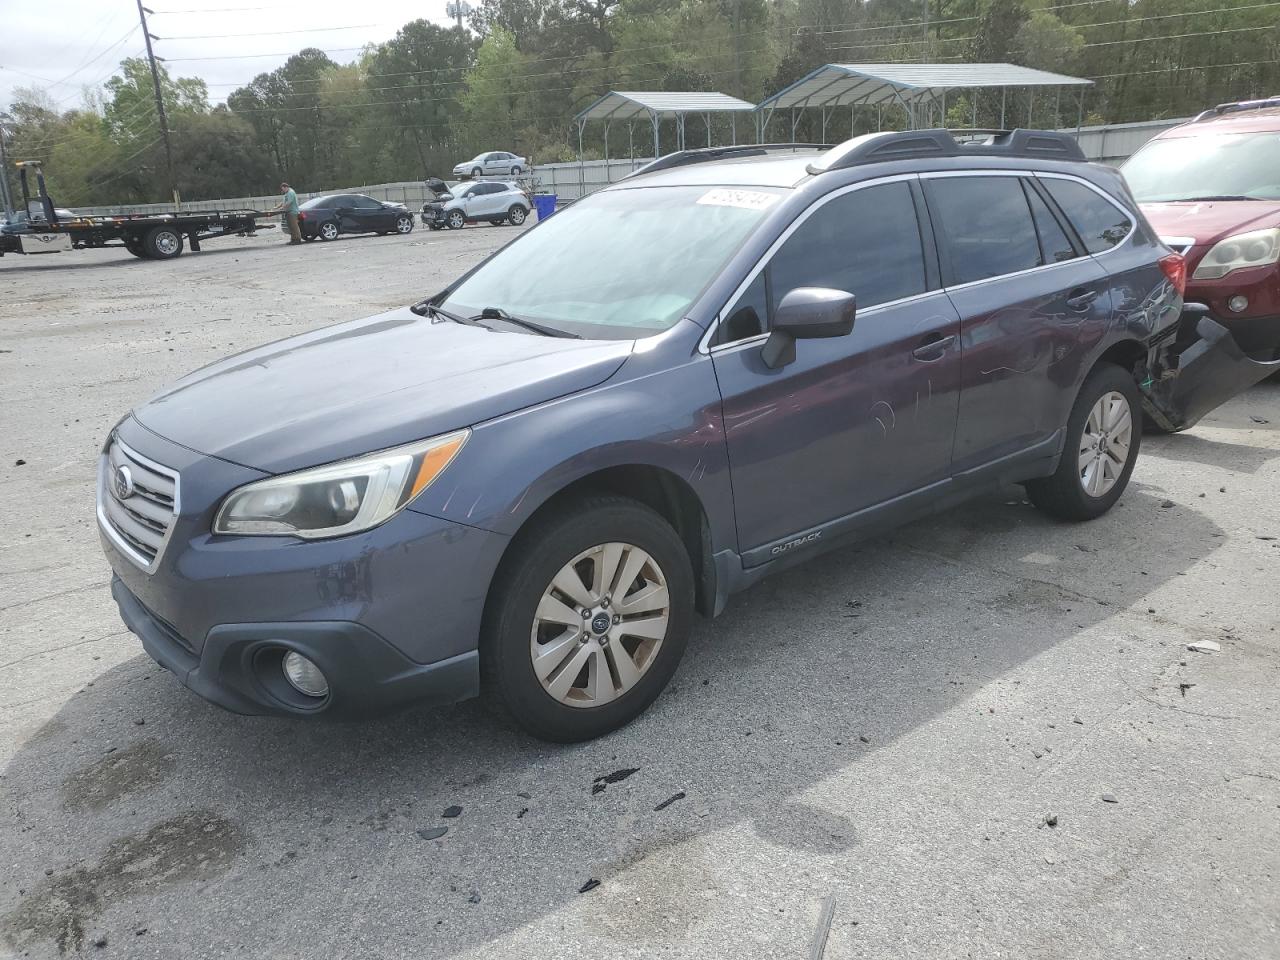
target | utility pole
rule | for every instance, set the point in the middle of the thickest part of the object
(164, 121)
(5, 198)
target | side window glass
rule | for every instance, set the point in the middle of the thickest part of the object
(1054, 244)
(866, 242)
(750, 316)
(985, 224)
(1100, 223)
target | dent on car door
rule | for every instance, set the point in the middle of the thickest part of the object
(855, 421)
(1031, 302)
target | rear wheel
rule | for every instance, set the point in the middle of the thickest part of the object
(162, 243)
(328, 230)
(515, 171)
(1103, 437)
(456, 220)
(588, 620)
(136, 246)
(516, 214)
(476, 173)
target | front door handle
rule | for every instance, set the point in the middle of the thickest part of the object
(1080, 299)
(933, 347)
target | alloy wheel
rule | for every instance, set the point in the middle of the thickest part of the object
(166, 243)
(600, 625)
(404, 224)
(517, 215)
(1105, 443)
(329, 231)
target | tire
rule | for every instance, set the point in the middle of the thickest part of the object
(162, 243)
(1097, 412)
(515, 171)
(456, 220)
(328, 230)
(136, 247)
(516, 215)
(524, 615)
(477, 173)
(404, 223)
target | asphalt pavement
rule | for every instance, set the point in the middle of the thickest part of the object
(982, 736)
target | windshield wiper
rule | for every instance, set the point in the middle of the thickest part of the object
(497, 313)
(428, 309)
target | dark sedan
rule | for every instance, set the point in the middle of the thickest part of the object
(327, 217)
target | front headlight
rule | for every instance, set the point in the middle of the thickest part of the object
(341, 498)
(1258, 248)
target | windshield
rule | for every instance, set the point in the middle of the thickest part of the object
(619, 264)
(1243, 165)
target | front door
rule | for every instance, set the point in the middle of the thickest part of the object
(1032, 304)
(854, 421)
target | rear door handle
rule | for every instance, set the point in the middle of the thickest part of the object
(933, 347)
(1080, 299)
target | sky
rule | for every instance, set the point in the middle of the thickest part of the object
(66, 45)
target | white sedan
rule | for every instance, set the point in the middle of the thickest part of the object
(495, 164)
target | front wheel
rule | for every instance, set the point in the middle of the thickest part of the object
(515, 171)
(456, 220)
(404, 223)
(588, 619)
(136, 247)
(516, 214)
(1101, 447)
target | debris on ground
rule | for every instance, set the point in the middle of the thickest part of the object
(1258, 419)
(598, 786)
(523, 811)
(824, 928)
(1184, 687)
(1050, 819)
(524, 796)
(19, 463)
(451, 812)
(669, 801)
(1109, 798)
(1205, 646)
(1166, 504)
(432, 833)
(589, 885)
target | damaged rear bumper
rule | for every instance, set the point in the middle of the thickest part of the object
(1196, 370)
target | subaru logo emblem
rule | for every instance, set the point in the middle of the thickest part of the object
(122, 483)
(600, 623)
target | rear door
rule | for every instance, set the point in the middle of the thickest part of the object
(854, 421)
(1032, 304)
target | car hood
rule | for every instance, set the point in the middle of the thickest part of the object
(367, 385)
(1208, 222)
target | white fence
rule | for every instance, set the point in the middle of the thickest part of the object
(569, 181)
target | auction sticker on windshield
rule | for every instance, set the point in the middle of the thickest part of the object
(747, 199)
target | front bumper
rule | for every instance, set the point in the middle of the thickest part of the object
(239, 666)
(386, 609)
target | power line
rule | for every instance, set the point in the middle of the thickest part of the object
(271, 33)
(1179, 36)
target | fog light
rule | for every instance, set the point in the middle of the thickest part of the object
(304, 676)
(1238, 303)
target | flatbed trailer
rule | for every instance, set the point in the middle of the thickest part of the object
(152, 236)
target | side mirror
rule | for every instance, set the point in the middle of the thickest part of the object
(807, 313)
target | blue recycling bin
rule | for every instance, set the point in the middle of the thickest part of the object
(545, 204)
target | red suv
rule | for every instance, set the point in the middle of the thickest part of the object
(1211, 189)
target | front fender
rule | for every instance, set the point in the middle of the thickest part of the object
(664, 416)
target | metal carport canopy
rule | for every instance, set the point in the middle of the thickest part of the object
(624, 105)
(843, 84)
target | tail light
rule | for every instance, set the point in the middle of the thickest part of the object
(1175, 269)
(302, 216)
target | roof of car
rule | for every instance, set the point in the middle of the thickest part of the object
(1264, 120)
(771, 170)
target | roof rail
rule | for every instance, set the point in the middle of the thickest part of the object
(683, 158)
(917, 144)
(1224, 108)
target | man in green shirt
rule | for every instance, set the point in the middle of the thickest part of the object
(289, 207)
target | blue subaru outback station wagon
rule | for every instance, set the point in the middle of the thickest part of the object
(729, 362)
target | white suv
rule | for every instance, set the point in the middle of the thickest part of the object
(496, 201)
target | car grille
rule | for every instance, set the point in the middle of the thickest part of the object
(140, 522)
